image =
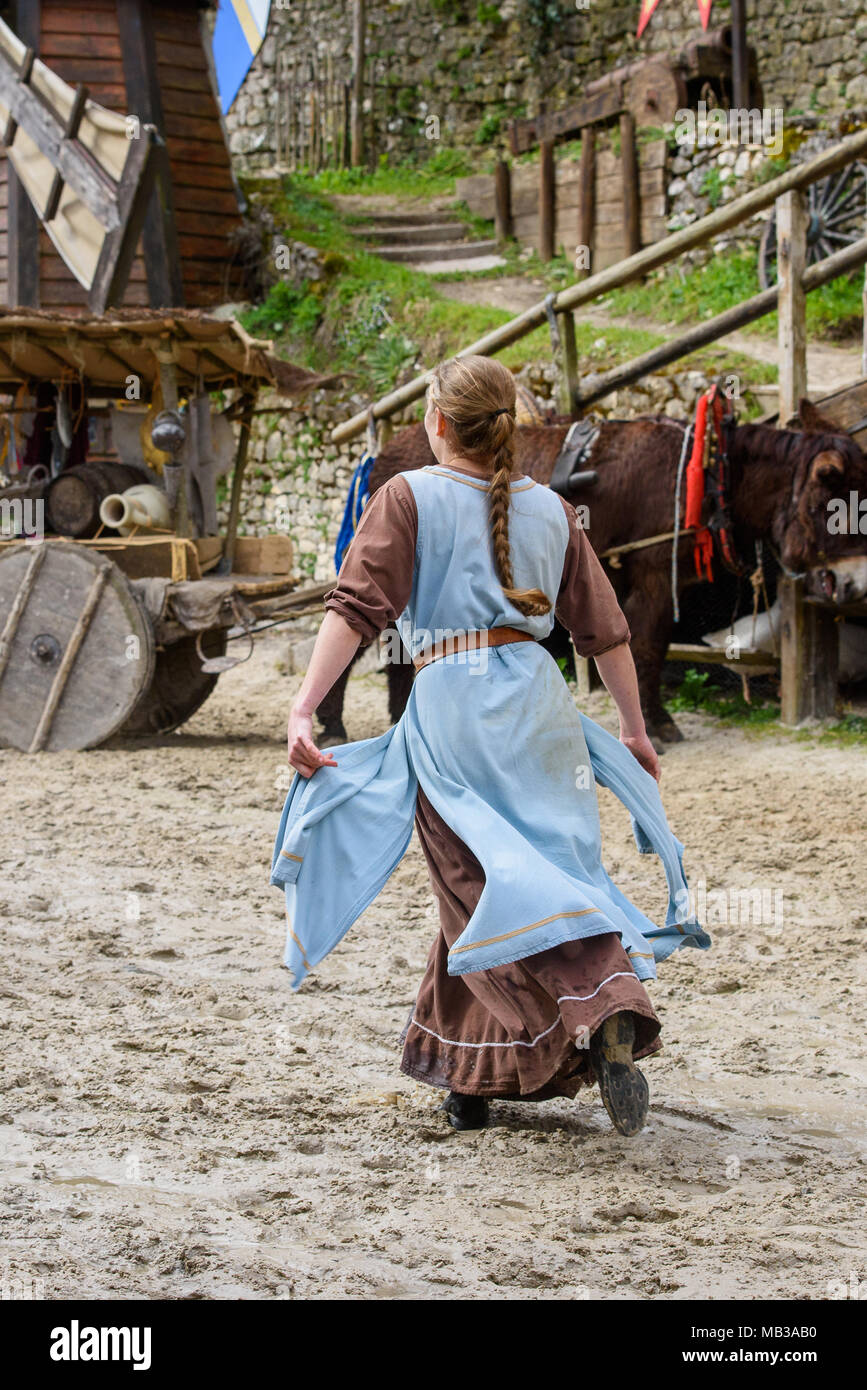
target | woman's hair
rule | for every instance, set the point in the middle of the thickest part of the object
(476, 397)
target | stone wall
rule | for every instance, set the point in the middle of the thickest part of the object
(477, 65)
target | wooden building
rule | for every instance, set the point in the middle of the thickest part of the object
(149, 59)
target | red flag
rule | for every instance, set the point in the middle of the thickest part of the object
(704, 7)
(647, 8)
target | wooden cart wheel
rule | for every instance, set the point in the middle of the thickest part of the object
(179, 686)
(835, 218)
(76, 647)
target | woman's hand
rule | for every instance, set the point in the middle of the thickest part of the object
(304, 756)
(643, 750)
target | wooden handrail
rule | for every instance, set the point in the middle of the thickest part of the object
(849, 258)
(633, 267)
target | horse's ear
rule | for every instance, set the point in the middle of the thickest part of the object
(813, 421)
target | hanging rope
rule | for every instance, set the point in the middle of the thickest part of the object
(676, 535)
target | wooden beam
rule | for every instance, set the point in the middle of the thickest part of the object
(356, 102)
(808, 656)
(635, 267)
(629, 174)
(547, 197)
(73, 162)
(524, 135)
(792, 301)
(158, 227)
(23, 224)
(134, 194)
(70, 132)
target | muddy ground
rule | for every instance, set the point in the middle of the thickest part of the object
(175, 1123)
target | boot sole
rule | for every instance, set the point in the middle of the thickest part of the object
(622, 1086)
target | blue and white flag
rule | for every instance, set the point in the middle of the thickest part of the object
(238, 35)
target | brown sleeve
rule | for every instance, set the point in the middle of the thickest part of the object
(586, 604)
(375, 579)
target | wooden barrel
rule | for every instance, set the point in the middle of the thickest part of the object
(73, 498)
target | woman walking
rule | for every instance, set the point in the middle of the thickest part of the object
(534, 983)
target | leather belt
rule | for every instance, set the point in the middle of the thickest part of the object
(471, 642)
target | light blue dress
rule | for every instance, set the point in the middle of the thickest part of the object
(494, 739)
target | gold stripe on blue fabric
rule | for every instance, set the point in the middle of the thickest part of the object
(492, 940)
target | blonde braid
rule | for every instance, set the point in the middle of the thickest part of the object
(477, 398)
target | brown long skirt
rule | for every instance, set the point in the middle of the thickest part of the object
(518, 1031)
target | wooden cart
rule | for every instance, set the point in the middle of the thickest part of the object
(108, 633)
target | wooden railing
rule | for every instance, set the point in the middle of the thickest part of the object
(788, 297)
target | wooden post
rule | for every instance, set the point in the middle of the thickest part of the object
(24, 232)
(587, 678)
(864, 330)
(569, 384)
(629, 167)
(502, 200)
(740, 98)
(587, 195)
(808, 656)
(225, 566)
(791, 301)
(546, 200)
(356, 139)
(159, 234)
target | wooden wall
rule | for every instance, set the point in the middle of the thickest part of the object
(609, 243)
(81, 41)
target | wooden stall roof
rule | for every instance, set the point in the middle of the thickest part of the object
(38, 345)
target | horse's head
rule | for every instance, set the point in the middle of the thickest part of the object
(821, 527)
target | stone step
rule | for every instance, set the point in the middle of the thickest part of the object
(439, 251)
(407, 219)
(433, 231)
(470, 264)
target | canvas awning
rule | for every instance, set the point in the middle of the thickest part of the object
(107, 352)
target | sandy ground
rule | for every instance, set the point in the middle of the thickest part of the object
(177, 1124)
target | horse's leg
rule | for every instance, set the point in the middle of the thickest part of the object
(329, 711)
(650, 614)
(400, 675)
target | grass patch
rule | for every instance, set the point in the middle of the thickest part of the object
(677, 296)
(407, 179)
(696, 694)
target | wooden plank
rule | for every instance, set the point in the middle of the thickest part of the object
(808, 656)
(715, 656)
(87, 46)
(791, 302)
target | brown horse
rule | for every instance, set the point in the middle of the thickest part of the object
(781, 484)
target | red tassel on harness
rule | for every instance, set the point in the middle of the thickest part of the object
(703, 551)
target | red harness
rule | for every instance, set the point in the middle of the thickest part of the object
(709, 459)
